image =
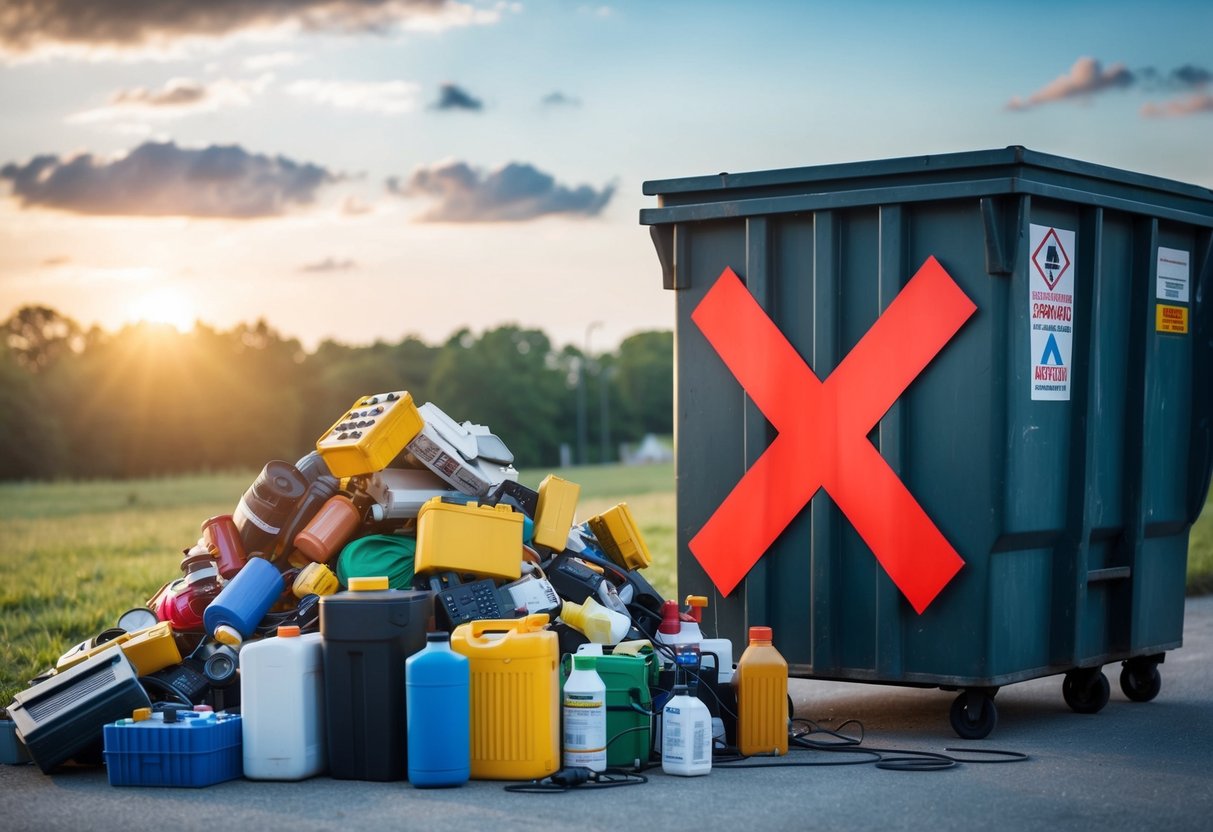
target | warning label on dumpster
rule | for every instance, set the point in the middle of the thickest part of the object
(1172, 274)
(1051, 311)
(1172, 319)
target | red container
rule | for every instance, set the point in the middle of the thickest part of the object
(223, 537)
(183, 601)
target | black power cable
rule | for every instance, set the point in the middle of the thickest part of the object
(578, 777)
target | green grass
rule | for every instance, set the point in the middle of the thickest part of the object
(76, 555)
(1200, 551)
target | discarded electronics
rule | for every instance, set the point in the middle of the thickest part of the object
(324, 581)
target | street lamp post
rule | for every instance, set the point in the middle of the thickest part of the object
(582, 415)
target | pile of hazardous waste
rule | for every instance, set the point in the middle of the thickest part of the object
(396, 604)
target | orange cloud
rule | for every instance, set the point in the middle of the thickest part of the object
(1084, 79)
(1201, 102)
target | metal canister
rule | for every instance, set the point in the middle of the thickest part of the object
(267, 505)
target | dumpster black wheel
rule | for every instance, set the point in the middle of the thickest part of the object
(1140, 681)
(969, 726)
(1086, 690)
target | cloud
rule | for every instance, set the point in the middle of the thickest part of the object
(453, 97)
(515, 192)
(271, 60)
(1186, 77)
(352, 206)
(1190, 75)
(329, 265)
(1201, 102)
(178, 97)
(1085, 79)
(559, 99)
(161, 179)
(33, 28)
(384, 97)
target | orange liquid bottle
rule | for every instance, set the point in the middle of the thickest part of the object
(762, 697)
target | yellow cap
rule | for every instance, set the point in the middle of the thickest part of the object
(140, 714)
(315, 579)
(288, 631)
(225, 634)
(368, 584)
(696, 601)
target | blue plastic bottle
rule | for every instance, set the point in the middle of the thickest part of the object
(239, 608)
(438, 709)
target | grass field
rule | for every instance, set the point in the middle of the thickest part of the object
(74, 556)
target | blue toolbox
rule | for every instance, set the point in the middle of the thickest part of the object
(174, 748)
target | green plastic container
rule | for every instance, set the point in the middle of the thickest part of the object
(1064, 473)
(629, 704)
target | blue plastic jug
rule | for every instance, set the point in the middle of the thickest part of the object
(438, 708)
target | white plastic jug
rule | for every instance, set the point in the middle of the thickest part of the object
(282, 706)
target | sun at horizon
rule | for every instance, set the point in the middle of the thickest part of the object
(163, 306)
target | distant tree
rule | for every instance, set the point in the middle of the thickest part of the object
(31, 441)
(38, 335)
(509, 379)
(149, 400)
(644, 384)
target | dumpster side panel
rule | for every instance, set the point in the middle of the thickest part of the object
(948, 423)
(780, 584)
(711, 455)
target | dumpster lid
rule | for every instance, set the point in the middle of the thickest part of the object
(1009, 170)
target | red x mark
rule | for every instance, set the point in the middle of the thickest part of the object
(823, 428)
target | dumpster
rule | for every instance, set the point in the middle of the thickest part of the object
(943, 421)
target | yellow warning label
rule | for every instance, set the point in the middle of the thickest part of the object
(1171, 319)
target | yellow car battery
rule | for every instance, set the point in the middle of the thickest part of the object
(515, 696)
(150, 649)
(469, 538)
(370, 434)
(554, 514)
(620, 537)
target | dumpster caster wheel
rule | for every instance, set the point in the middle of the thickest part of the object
(974, 715)
(1140, 681)
(1086, 690)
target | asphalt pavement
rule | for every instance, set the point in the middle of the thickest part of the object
(1131, 766)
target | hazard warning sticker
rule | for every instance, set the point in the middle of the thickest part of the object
(1173, 319)
(1172, 274)
(1051, 311)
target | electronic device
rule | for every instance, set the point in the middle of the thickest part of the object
(456, 602)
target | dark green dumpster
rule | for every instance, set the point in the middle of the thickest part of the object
(943, 421)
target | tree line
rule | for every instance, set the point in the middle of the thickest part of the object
(149, 400)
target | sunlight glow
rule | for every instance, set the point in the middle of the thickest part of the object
(163, 306)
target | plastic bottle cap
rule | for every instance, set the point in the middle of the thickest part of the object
(229, 635)
(681, 690)
(437, 636)
(585, 662)
(368, 584)
(288, 631)
(140, 714)
(760, 634)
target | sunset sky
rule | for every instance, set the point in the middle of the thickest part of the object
(363, 169)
